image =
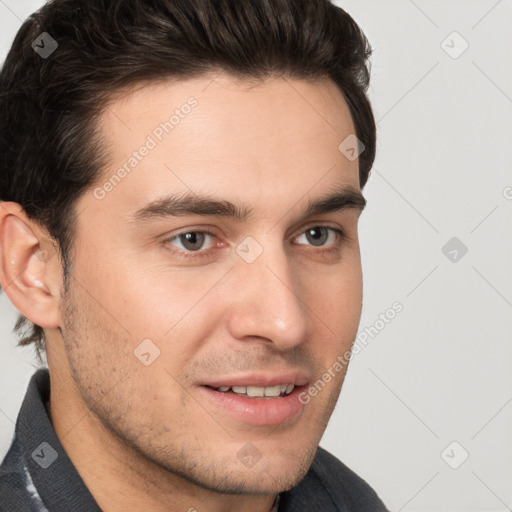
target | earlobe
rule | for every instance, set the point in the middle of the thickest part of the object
(28, 272)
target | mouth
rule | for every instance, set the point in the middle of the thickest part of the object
(256, 405)
(279, 390)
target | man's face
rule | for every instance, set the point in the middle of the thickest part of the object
(269, 300)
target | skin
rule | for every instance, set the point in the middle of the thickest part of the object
(144, 437)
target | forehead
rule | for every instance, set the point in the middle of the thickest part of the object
(264, 140)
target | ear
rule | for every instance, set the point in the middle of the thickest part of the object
(30, 271)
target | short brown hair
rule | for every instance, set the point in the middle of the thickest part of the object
(51, 153)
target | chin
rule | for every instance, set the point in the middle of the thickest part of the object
(255, 484)
(276, 475)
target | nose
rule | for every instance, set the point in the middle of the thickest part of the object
(269, 302)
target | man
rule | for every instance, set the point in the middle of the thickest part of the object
(181, 186)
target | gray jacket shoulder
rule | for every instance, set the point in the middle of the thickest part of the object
(331, 486)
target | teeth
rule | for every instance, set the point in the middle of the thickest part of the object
(257, 391)
(272, 391)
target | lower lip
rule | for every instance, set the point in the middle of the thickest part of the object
(257, 411)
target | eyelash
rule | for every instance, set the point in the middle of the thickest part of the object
(204, 253)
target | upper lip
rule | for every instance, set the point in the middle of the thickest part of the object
(297, 378)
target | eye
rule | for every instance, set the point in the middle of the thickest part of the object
(318, 235)
(191, 241)
(191, 244)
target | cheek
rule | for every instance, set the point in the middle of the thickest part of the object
(106, 361)
(336, 297)
(149, 301)
(337, 305)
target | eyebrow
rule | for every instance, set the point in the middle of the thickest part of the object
(187, 204)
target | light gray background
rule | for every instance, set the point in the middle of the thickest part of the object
(439, 371)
